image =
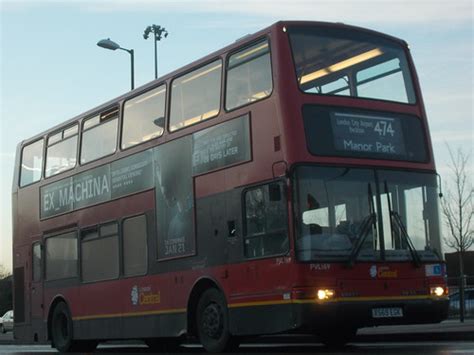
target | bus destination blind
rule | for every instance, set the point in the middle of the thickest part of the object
(367, 134)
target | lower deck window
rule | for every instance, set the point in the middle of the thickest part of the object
(134, 246)
(61, 256)
(100, 253)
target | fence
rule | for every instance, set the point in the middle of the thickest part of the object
(454, 296)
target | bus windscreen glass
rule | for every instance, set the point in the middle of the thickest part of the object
(331, 61)
(337, 208)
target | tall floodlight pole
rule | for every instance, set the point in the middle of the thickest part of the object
(159, 33)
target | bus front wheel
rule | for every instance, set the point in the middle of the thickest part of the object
(62, 332)
(213, 322)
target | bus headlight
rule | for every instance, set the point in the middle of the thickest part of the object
(438, 291)
(325, 294)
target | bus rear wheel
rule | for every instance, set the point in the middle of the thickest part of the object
(62, 332)
(213, 323)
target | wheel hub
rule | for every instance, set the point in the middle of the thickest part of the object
(212, 321)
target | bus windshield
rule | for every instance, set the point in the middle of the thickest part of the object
(336, 207)
(350, 63)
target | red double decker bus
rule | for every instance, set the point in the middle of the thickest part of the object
(285, 183)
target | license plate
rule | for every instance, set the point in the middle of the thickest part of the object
(393, 312)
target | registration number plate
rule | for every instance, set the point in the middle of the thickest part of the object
(392, 312)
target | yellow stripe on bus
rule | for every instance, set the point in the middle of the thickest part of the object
(340, 299)
(130, 314)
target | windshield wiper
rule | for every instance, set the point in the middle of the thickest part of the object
(395, 217)
(364, 230)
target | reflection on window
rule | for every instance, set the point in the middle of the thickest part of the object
(144, 117)
(336, 87)
(334, 206)
(334, 203)
(100, 253)
(61, 152)
(249, 76)
(265, 221)
(36, 264)
(383, 81)
(414, 198)
(336, 62)
(195, 96)
(31, 163)
(99, 137)
(61, 256)
(134, 246)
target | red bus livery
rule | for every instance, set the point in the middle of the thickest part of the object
(288, 176)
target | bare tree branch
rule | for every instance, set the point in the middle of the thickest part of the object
(457, 205)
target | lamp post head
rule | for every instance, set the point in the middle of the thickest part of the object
(108, 44)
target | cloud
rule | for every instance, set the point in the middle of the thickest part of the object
(360, 11)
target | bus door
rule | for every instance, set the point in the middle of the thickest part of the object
(37, 305)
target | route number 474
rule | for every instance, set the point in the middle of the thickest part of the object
(384, 128)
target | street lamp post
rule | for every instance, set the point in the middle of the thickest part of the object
(108, 44)
(159, 32)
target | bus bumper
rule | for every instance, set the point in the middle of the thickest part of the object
(357, 314)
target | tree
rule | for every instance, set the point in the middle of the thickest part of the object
(5, 290)
(458, 211)
(3, 272)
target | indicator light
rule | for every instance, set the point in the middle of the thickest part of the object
(325, 294)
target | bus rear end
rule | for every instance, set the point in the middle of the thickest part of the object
(364, 187)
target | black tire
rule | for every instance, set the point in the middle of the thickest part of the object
(212, 323)
(62, 335)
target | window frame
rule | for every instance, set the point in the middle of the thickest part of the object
(282, 183)
(97, 229)
(109, 110)
(78, 144)
(225, 78)
(42, 162)
(165, 115)
(180, 75)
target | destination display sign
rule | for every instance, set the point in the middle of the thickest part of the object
(368, 134)
(360, 133)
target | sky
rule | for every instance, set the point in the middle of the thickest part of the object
(52, 70)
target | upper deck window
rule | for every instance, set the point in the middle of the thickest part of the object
(99, 136)
(249, 75)
(61, 152)
(144, 117)
(31, 163)
(196, 96)
(350, 63)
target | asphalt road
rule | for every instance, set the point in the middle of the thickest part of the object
(405, 348)
(449, 337)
